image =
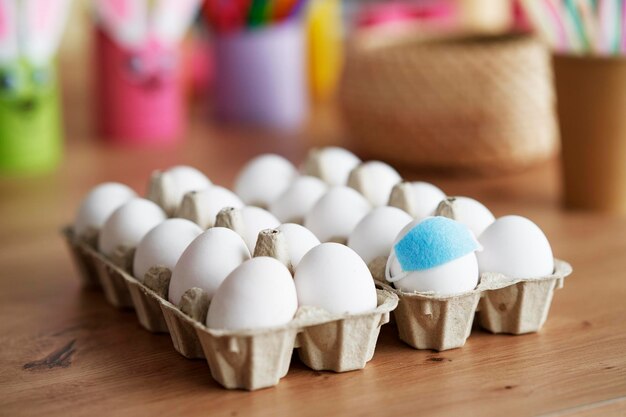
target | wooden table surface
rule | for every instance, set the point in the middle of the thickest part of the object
(64, 351)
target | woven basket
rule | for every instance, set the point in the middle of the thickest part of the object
(476, 103)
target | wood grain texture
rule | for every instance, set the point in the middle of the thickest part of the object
(64, 351)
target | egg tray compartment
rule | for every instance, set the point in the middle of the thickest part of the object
(502, 305)
(251, 359)
(98, 272)
(256, 359)
(82, 256)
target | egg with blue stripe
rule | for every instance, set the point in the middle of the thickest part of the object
(434, 255)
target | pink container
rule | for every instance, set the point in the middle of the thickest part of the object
(140, 98)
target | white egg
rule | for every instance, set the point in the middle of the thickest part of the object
(375, 234)
(129, 224)
(336, 214)
(254, 219)
(299, 240)
(516, 247)
(264, 178)
(163, 245)
(188, 178)
(298, 199)
(99, 204)
(167, 188)
(468, 211)
(207, 261)
(331, 164)
(420, 199)
(259, 293)
(455, 273)
(202, 206)
(375, 180)
(333, 277)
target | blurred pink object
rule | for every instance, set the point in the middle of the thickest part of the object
(139, 69)
(140, 97)
(408, 12)
(201, 64)
(520, 20)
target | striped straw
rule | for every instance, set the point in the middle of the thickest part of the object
(541, 21)
(555, 12)
(576, 19)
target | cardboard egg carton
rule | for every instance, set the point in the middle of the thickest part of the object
(97, 271)
(83, 257)
(147, 306)
(249, 359)
(121, 290)
(253, 359)
(502, 305)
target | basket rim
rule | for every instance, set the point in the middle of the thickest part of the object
(373, 40)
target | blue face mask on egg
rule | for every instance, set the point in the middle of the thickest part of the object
(434, 242)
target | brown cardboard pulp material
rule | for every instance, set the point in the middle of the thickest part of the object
(259, 358)
(503, 304)
(96, 271)
(111, 277)
(83, 258)
(147, 307)
(250, 359)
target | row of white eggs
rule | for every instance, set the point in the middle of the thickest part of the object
(257, 292)
(247, 292)
(328, 208)
(512, 245)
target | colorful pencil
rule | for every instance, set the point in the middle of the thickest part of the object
(297, 7)
(257, 14)
(281, 8)
(227, 15)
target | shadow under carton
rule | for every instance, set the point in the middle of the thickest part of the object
(504, 305)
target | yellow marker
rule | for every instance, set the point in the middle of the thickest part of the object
(325, 47)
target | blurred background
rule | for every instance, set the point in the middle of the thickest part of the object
(519, 104)
(446, 89)
(325, 30)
